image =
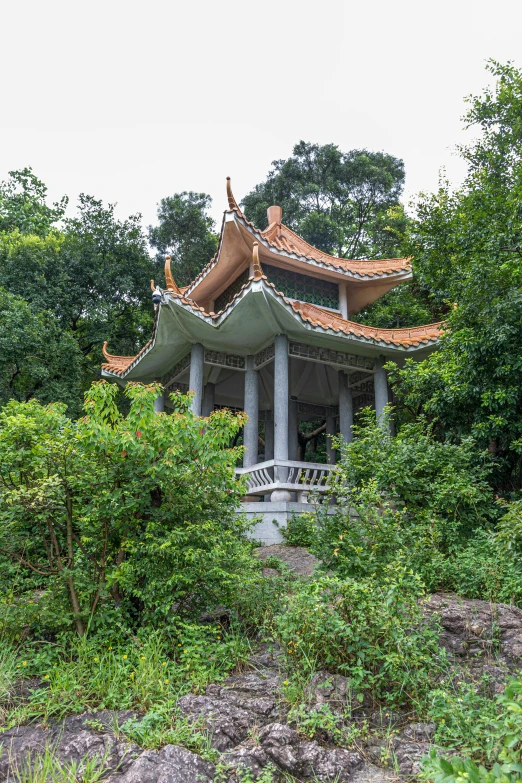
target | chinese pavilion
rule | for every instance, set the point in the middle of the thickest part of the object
(265, 328)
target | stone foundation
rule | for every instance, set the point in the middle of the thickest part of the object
(273, 517)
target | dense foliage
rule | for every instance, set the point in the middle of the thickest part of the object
(128, 519)
(345, 203)
(467, 248)
(186, 232)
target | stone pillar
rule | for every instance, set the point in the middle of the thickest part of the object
(197, 355)
(330, 430)
(251, 407)
(208, 399)
(345, 408)
(269, 435)
(159, 403)
(343, 300)
(281, 366)
(381, 389)
(293, 440)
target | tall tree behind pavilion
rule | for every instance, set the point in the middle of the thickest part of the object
(186, 232)
(344, 203)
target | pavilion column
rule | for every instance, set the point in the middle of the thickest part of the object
(208, 399)
(381, 389)
(251, 407)
(281, 367)
(345, 408)
(343, 299)
(269, 435)
(159, 403)
(293, 440)
(330, 430)
(197, 355)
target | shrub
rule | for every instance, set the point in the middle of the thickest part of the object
(500, 747)
(446, 481)
(119, 520)
(371, 632)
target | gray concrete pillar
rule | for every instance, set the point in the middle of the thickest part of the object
(269, 435)
(343, 300)
(293, 440)
(197, 355)
(208, 399)
(281, 391)
(330, 430)
(345, 408)
(159, 403)
(381, 389)
(251, 407)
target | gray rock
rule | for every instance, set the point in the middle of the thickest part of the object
(472, 628)
(171, 764)
(104, 720)
(20, 746)
(253, 758)
(371, 773)
(420, 732)
(228, 725)
(307, 760)
(297, 558)
(409, 756)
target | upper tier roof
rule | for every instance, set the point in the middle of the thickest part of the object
(280, 246)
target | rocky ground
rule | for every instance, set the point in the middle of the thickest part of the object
(248, 722)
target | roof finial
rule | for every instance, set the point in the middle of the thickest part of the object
(105, 351)
(232, 203)
(152, 285)
(169, 280)
(258, 271)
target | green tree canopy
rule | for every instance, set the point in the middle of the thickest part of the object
(468, 249)
(37, 358)
(186, 232)
(23, 204)
(344, 203)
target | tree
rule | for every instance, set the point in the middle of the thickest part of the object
(92, 276)
(23, 204)
(186, 232)
(37, 358)
(468, 250)
(121, 518)
(344, 203)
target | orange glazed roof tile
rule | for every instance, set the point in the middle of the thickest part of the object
(318, 316)
(283, 238)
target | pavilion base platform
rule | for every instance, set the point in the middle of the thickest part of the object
(271, 518)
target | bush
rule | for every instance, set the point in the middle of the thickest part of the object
(117, 520)
(371, 632)
(446, 481)
(499, 747)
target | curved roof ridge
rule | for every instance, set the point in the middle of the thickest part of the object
(304, 248)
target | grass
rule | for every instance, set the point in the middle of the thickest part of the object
(47, 768)
(145, 675)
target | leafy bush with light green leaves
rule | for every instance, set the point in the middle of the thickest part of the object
(498, 759)
(372, 632)
(115, 521)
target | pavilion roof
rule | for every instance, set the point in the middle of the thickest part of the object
(319, 318)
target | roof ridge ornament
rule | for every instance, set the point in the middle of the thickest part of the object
(232, 203)
(169, 280)
(256, 263)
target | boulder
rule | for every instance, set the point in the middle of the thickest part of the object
(307, 760)
(171, 764)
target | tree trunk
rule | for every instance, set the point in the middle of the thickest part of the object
(70, 564)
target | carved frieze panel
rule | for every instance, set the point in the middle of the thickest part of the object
(327, 356)
(176, 371)
(222, 359)
(313, 409)
(264, 357)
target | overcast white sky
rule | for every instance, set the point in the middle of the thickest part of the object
(134, 101)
